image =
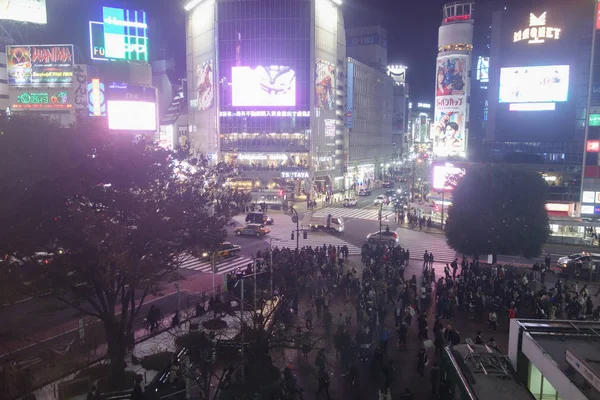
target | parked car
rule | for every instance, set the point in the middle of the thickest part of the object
(386, 237)
(364, 192)
(252, 230)
(350, 202)
(381, 199)
(259, 218)
(226, 249)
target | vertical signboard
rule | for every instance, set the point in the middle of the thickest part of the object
(451, 91)
(205, 87)
(350, 96)
(80, 74)
(96, 100)
(325, 85)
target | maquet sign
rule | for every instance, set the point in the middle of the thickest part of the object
(537, 32)
(40, 65)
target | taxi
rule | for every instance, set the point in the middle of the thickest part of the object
(252, 230)
(226, 249)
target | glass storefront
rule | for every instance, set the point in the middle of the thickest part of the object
(539, 386)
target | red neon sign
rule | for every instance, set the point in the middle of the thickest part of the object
(457, 18)
(593, 146)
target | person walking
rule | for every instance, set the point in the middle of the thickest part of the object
(422, 362)
(308, 315)
(323, 383)
(434, 378)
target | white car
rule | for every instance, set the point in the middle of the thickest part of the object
(381, 199)
(350, 202)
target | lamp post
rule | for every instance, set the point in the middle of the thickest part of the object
(271, 264)
(297, 227)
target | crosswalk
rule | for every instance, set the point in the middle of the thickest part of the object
(387, 213)
(417, 242)
(224, 266)
(282, 228)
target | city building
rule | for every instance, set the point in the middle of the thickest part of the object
(370, 108)
(401, 109)
(368, 44)
(266, 86)
(450, 131)
(556, 360)
(420, 118)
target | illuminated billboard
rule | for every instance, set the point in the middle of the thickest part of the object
(273, 86)
(40, 65)
(483, 69)
(450, 115)
(325, 85)
(24, 10)
(123, 35)
(205, 86)
(131, 107)
(96, 98)
(42, 100)
(534, 84)
(131, 115)
(445, 177)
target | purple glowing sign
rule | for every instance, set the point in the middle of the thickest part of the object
(273, 86)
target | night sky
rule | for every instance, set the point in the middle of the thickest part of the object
(412, 27)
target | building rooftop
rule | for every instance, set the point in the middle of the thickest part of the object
(586, 350)
(488, 373)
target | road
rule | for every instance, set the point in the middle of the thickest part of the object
(50, 316)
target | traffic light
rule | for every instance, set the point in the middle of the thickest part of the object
(304, 234)
(292, 236)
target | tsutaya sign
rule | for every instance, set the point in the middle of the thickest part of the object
(537, 32)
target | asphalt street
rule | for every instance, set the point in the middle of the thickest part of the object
(47, 314)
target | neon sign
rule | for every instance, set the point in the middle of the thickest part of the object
(42, 100)
(537, 32)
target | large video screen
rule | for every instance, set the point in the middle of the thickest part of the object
(273, 86)
(24, 11)
(131, 115)
(534, 84)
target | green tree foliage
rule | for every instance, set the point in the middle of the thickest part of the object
(498, 209)
(98, 220)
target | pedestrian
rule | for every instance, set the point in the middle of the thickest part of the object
(93, 393)
(385, 394)
(422, 362)
(384, 336)
(434, 377)
(323, 383)
(402, 332)
(308, 315)
(407, 395)
(478, 338)
(492, 321)
(138, 391)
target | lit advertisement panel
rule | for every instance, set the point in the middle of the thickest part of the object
(131, 107)
(534, 84)
(205, 87)
(43, 100)
(24, 11)
(131, 115)
(96, 98)
(325, 85)
(444, 175)
(273, 86)
(123, 35)
(450, 115)
(40, 65)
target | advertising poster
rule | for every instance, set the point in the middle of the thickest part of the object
(448, 131)
(325, 85)
(43, 100)
(205, 88)
(24, 10)
(40, 65)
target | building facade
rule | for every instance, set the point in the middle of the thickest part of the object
(452, 81)
(266, 88)
(370, 141)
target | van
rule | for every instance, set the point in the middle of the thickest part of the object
(328, 223)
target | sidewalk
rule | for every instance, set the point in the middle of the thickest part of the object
(54, 357)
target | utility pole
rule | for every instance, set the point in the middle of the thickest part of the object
(297, 228)
(442, 223)
(213, 262)
(243, 332)
(254, 270)
(271, 264)
(380, 215)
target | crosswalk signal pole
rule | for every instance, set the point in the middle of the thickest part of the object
(271, 264)
(214, 271)
(297, 228)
